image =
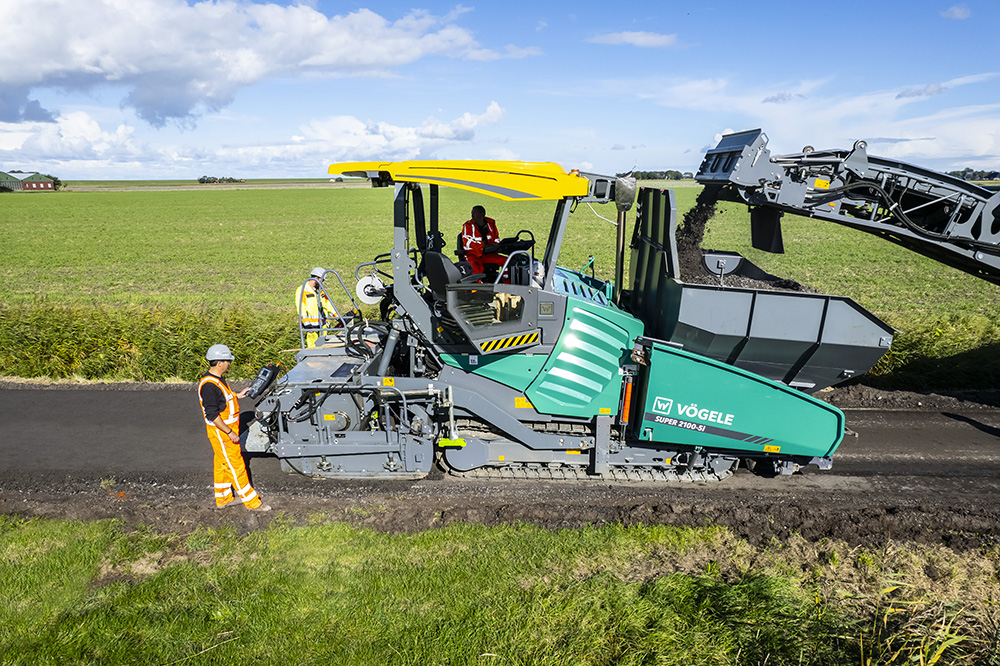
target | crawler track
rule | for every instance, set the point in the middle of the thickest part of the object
(566, 473)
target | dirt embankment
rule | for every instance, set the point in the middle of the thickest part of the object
(813, 507)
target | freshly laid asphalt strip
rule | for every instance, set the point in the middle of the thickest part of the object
(103, 433)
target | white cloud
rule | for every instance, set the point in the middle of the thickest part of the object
(782, 98)
(807, 115)
(510, 52)
(928, 90)
(348, 138)
(76, 144)
(931, 89)
(956, 135)
(973, 78)
(177, 59)
(957, 12)
(73, 136)
(641, 39)
(504, 154)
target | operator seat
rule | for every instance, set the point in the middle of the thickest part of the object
(441, 272)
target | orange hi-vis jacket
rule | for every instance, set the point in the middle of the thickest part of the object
(231, 414)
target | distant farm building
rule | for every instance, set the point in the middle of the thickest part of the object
(20, 181)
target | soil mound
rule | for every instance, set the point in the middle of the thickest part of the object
(691, 234)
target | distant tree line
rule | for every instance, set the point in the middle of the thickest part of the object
(669, 174)
(973, 174)
(225, 179)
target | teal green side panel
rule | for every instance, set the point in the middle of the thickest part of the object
(581, 377)
(574, 283)
(514, 370)
(694, 400)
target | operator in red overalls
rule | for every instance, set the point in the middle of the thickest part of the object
(477, 234)
(221, 409)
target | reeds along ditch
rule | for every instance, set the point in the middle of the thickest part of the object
(140, 343)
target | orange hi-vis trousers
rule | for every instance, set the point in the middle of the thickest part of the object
(230, 471)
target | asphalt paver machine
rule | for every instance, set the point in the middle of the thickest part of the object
(550, 373)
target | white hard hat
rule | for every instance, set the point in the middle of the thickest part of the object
(318, 273)
(219, 353)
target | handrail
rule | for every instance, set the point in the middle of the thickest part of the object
(510, 256)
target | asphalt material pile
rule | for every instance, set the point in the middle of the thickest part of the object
(690, 236)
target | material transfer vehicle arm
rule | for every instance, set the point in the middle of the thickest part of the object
(939, 216)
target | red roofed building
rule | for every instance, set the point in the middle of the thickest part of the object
(27, 182)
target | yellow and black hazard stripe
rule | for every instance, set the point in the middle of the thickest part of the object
(510, 341)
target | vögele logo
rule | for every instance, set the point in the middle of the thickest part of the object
(662, 405)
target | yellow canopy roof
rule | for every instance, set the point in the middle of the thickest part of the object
(511, 181)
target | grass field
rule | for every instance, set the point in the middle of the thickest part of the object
(329, 593)
(210, 248)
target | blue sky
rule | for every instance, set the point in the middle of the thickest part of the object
(100, 89)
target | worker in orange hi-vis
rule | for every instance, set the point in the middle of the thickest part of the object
(221, 409)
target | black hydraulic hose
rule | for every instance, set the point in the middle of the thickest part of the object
(892, 207)
(309, 397)
(355, 350)
(270, 421)
(349, 344)
(362, 345)
(300, 403)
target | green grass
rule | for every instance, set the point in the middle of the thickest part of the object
(214, 248)
(465, 594)
(220, 247)
(207, 251)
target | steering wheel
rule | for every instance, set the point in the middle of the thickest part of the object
(516, 243)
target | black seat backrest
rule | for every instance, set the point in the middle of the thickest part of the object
(440, 273)
(460, 247)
